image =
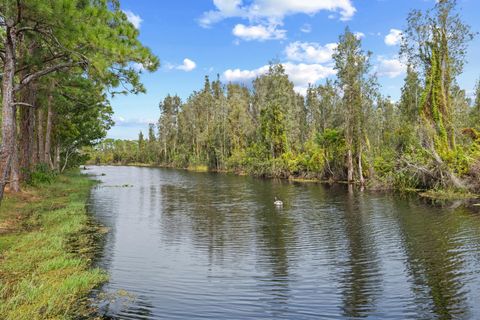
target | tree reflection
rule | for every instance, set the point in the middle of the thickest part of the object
(434, 259)
(275, 232)
(361, 278)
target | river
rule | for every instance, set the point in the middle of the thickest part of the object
(186, 245)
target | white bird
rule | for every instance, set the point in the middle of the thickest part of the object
(277, 202)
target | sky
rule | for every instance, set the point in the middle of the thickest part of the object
(236, 39)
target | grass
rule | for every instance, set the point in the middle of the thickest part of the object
(47, 242)
(198, 168)
(448, 194)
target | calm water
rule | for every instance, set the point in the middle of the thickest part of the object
(204, 246)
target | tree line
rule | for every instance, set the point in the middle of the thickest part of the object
(341, 130)
(60, 63)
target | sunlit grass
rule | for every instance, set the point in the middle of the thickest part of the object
(45, 266)
(449, 194)
(198, 168)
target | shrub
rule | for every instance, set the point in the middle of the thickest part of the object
(41, 174)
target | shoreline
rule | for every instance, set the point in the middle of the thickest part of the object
(435, 195)
(47, 244)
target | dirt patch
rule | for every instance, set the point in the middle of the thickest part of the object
(8, 226)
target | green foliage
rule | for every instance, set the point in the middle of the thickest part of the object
(46, 262)
(273, 129)
(64, 58)
(436, 42)
(410, 100)
(41, 174)
(343, 129)
(385, 163)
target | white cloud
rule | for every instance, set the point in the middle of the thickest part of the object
(132, 122)
(310, 52)
(306, 28)
(359, 35)
(300, 74)
(237, 75)
(390, 68)
(393, 38)
(273, 11)
(134, 19)
(258, 32)
(187, 66)
(304, 74)
(139, 67)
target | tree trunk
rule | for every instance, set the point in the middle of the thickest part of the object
(56, 158)
(15, 165)
(48, 135)
(8, 134)
(41, 138)
(165, 151)
(27, 127)
(349, 166)
(4, 177)
(67, 155)
(32, 145)
(24, 138)
(34, 141)
(360, 167)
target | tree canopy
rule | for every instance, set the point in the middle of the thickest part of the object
(61, 61)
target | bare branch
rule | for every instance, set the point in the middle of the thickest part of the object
(29, 78)
(24, 104)
(50, 59)
(19, 12)
(25, 29)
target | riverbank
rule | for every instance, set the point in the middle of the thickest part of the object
(438, 194)
(47, 242)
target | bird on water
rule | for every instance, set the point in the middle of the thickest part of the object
(278, 202)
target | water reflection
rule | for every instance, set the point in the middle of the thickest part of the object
(190, 245)
(361, 278)
(435, 261)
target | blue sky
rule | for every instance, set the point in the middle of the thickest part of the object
(236, 39)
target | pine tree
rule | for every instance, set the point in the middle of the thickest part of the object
(85, 37)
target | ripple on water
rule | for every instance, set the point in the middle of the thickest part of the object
(207, 246)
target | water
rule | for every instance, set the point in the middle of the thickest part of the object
(210, 246)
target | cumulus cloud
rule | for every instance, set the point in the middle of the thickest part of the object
(311, 52)
(272, 12)
(390, 68)
(274, 9)
(243, 76)
(131, 122)
(258, 32)
(225, 9)
(300, 74)
(133, 18)
(187, 66)
(393, 38)
(359, 35)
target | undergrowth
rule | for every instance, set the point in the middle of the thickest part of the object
(47, 242)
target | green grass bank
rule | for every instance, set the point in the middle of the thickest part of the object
(47, 243)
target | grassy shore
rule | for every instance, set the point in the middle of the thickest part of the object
(47, 241)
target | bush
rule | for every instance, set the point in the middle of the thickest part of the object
(41, 174)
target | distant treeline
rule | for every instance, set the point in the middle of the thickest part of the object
(343, 129)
